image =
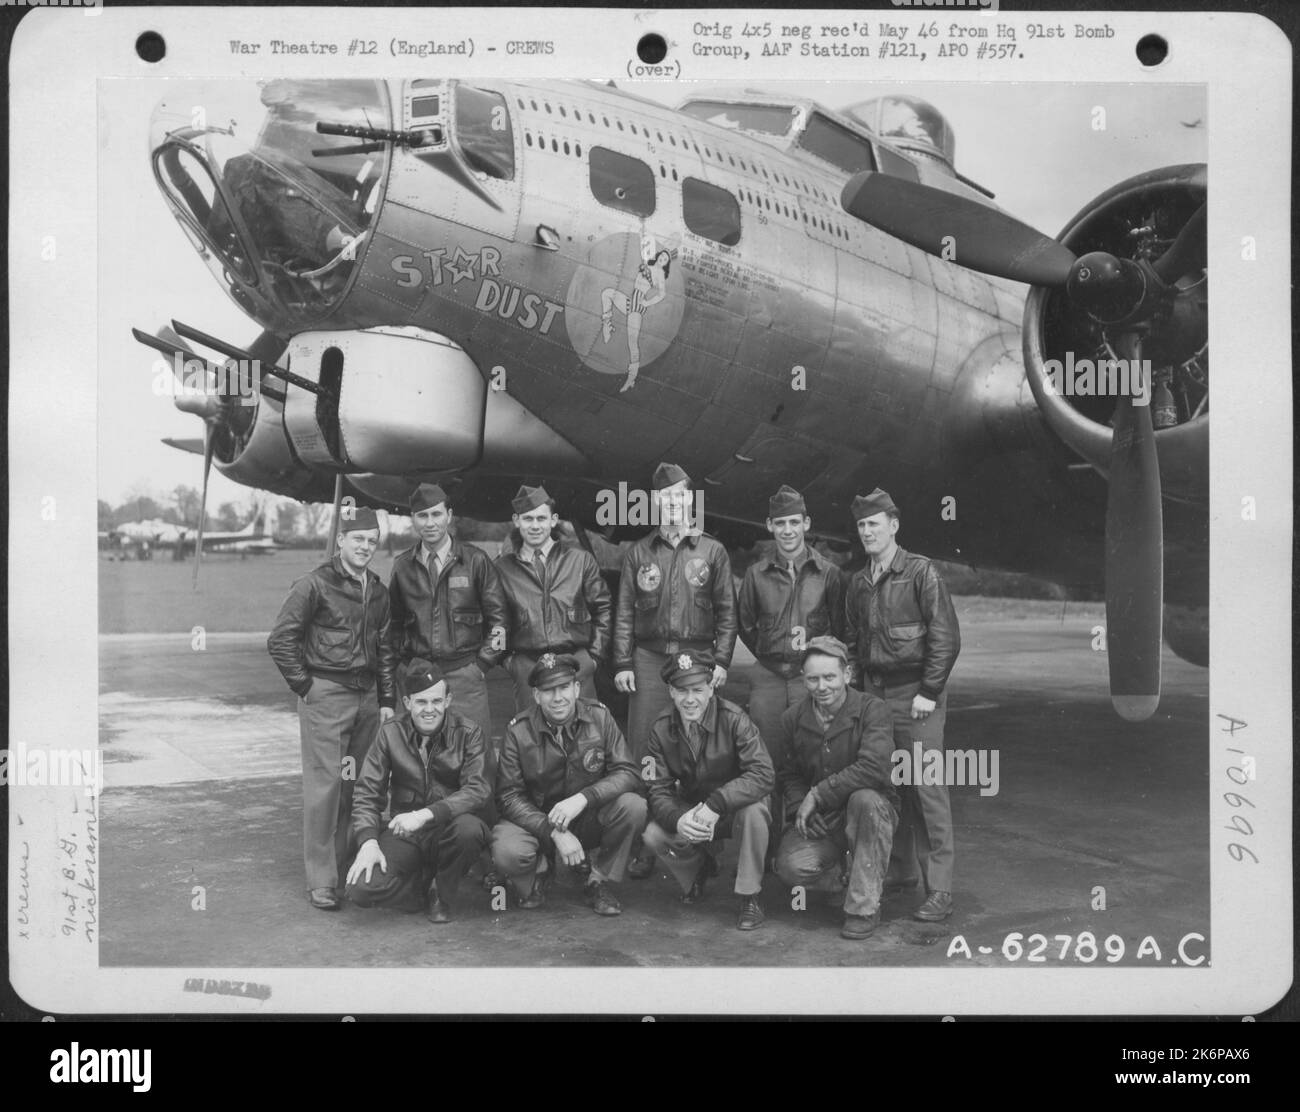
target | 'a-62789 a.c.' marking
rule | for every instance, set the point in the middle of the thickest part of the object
(1084, 948)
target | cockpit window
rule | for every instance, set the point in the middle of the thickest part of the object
(766, 119)
(280, 211)
(622, 183)
(837, 145)
(484, 133)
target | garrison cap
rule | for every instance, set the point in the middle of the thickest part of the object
(420, 675)
(877, 502)
(689, 664)
(426, 496)
(361, 517)
(669, 474)
(552, 671)
(785, 502)
(529, 498)
(827, 646)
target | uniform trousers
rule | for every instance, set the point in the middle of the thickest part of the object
(924, 837)
(865, 828)
(608, 833)
(334, 723)
(445, 853)
(751, 826)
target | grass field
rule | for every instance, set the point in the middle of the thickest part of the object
(243, 595)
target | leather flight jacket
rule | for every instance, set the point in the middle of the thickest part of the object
(727, 768)
(854, 751)
(570, 610)
(450, 622)
(673, 598)
(537, 769)
(453, 782)
(325, 628)
(902, 629)
(779, 615)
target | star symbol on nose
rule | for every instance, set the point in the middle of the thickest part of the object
(461, 266)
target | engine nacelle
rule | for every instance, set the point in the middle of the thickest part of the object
(259, 456)
(1151, 208)
(407, 402)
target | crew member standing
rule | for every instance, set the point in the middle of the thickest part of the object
(675, 595)
(449, 608)
(557, 600)
(902, 632)
(332, 644)
(785, 601)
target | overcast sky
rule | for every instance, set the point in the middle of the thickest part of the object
(1033, 145)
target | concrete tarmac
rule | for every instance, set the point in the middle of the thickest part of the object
(202, 788)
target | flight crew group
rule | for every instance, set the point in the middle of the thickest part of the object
(564, 785)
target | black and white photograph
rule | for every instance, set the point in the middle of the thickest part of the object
(759, 522)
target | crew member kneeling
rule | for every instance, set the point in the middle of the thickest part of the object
(835, 787)
(431, 764)
(565, 784)
(712, 777)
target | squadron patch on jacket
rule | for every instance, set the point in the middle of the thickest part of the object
(697, 571)
(648, 577)
(593, 760)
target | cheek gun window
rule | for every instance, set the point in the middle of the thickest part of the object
(622, 183)
(711, 212)
(484, 133)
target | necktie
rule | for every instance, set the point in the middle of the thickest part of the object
(539, 562)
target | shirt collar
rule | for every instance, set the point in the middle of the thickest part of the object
(689, 536)
(342, 569)
(526, 554)
(895, 561)
(416, 739)
(779, 562)
(442, 551)
(708, 723)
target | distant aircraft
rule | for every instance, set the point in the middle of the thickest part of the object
(483, 282)
(253, 537)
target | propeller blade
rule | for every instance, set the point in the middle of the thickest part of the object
(1134, 556)
(208, 442)
(332, 546)
(1187, 253)
(968, 233)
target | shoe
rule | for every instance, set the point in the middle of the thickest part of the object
(601, 899)
(708, 868)
(323, 899)
(751, 914)
(536, 898)
(858, 927)
(437, 910)
(936, 909)
(641, 867)
(491, 879)
(904, 884)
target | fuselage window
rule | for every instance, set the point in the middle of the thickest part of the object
(484, 132)
(711, 212)
(622, 183)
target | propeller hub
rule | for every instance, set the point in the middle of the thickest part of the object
(1109, 288)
